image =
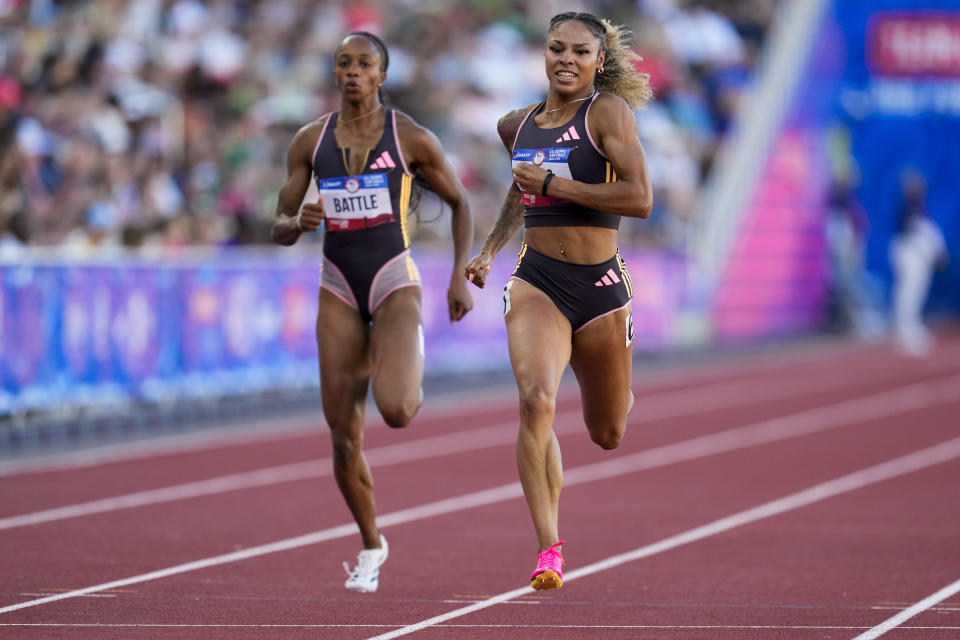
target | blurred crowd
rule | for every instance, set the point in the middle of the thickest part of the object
(133, 123)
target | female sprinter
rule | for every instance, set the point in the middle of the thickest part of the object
(578, 168)
(369, 330)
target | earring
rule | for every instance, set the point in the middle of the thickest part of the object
(601, 70)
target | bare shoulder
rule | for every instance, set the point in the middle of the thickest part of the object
(313, 129)
(305, 139)
(410, 130)
(509, 124)
(608, 105)
(611, 115)
(418, 141)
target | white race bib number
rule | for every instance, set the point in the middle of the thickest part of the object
(356, 202)
(554, 159)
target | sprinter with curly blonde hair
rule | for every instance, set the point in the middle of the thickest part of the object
(578, 167)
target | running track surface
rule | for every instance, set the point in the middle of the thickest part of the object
(802, 492)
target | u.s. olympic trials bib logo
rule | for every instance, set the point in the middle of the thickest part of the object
(555, 159)
(356, 202)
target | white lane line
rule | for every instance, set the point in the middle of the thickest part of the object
(245, 554)
(846, 412)
(728, 395)
(719, 627)
(277, 429)
(257, 431)
(661, 456)
(906, 614)
(915, 461)
(469, 440)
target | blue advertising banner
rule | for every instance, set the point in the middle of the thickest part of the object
(900, 99)
(91, 334)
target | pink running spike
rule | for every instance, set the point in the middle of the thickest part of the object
(549, 571)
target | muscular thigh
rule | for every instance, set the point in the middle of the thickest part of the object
(538, 336)
(342, 340)
(602, 362)
(396, 343)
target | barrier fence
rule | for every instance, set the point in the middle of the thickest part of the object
(78, 334)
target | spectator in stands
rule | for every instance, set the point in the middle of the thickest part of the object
(152, 79)
(366, 159)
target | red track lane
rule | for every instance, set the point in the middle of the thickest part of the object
(293, 599)
(826, 564)
(36, 491)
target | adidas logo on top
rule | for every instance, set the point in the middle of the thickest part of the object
(383, 162)
(569, 134)
(609, 278)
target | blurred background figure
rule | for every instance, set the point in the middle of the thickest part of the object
(125, 97)
(846, 231)
(917, 249)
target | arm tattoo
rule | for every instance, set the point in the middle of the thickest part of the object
(511, 219)
(508, 126)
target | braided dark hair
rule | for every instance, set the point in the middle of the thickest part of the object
(619, 76)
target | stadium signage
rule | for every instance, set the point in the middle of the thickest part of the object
(917, 43)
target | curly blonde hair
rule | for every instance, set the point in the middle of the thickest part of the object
(619, 76)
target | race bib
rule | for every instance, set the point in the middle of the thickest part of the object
(356, 202)
(554, 159)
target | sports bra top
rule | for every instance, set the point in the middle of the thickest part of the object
(569, 152)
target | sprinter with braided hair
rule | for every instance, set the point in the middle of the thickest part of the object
(578, 167)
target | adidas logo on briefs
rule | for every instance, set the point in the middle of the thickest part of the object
(609, 278)
(383, 161)
(569, 134)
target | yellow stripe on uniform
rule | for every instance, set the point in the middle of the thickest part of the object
(523, 250)
(406, 185)
(412, 270)
(625, 275)
(611, 174)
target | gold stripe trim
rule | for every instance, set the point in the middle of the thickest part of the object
(625, 275)
(412, 270)
(523, 250)
(406, 184)
(346, 165)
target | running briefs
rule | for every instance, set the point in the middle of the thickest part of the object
(364, 279)
(582, 292)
